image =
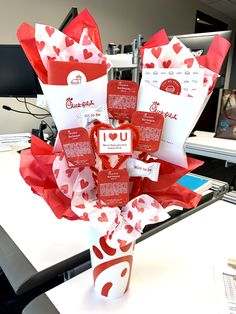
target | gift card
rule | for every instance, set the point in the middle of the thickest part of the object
(115, 141)
(122, 99)
(113, 187)
(150, 125)
(76, 146)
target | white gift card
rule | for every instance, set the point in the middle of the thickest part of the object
(184, 82)
(180, 115)
(115, 142)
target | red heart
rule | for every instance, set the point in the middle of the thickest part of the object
(154, 219)
(113, 136)
(57, 50)
(83, 184)
(130, 215)
(135, 203)
(138, 226)
(122, 242)
(107, 64)
(81, 206)
(117, 220)
(73, 59)
(155, 204)
(103, 126)
(49, 30)
(166, 64)
(129, 228)
(149, 65)
(40, 45)
(87, 54)
(141, 200)
(177, 47)
(189, 62)
(69, 172)
(205, 80)
(85, 196)
(84, 217)
(156, 52)
(51, 58)
(140, 209)
(56, 173)
(103, 218)
(86, 41)
(64, 188)
(69, 42)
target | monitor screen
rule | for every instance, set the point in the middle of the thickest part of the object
(17, 77)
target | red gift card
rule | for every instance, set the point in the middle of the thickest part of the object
(113, 187)
(115, 141)
(150, 125)
(77, 148)
(121, 99)
(74, 73)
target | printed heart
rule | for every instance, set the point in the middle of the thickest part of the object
(104, 126)
(40, 45)
(113, 136)
(64, 188)
(189, 62)
(117, 220)
(103, 218)
(156, 52)
(86, 41)
(51, 58)
(57, 50)
(129, 228)
(73, 59)
(61, 156)
(85, 196)
(149, 65)
(138, 226)
(135, 203)
(122, 242)
(107, 64)
(102, 56)
(177, 47)
(166, 64)
(141, 200)
(87, 54)
(69, 172)
(56, 173)
(154, 219)
(155, 204)
(81, 206)
(83, 184)
(205, 80)
(130, 215)
(84, 217)
(140, 209)
(69, 42)
(49, 30)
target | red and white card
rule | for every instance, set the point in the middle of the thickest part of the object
(121, 99)
(150, 125)
(113, 187)
(115, 141)
(76, 146)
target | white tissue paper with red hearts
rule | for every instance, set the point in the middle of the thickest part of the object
(67, 103)
(120, 225)
(180, 106)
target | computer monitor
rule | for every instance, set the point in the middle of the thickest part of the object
(17, 77)
(201, 42)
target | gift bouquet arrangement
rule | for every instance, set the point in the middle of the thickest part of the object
(119, 150)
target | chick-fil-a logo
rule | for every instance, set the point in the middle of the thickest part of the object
(71, 105)
(154, 108)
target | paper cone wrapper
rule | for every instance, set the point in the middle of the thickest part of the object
(111, 266)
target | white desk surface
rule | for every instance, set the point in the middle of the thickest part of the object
(44, 239)
(205, 144)
(172, 270)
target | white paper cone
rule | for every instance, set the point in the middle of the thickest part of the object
(111, 266)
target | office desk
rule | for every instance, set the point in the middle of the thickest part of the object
(25, 217)
(172, 270)
(205, 144)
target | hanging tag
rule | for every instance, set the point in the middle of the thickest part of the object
(122, 99)
(115, 141)
(150, 125)
(113, 187)
(77, 148)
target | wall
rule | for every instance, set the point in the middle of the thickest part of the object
(119, 21)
